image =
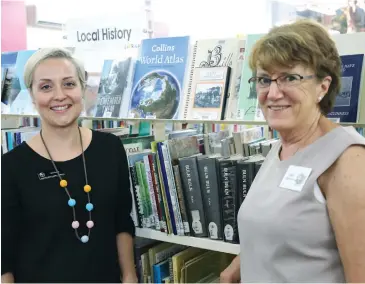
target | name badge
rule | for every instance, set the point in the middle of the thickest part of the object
(295, 178)
(48, 174)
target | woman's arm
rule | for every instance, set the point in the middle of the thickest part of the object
(125, 226)
(126, 257)
(232, 273)
(344, 188)
(7, 278)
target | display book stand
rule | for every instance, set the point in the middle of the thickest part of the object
(159, 132)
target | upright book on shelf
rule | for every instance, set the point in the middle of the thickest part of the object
(15, 97)
(208, 53)
(209, 93)
(211, 196)
(115, 88)
(191, 185)
(347, 101)
(159, 78)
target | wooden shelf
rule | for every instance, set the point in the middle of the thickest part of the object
(153, 120)
(203, 243)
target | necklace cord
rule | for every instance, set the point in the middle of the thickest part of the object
(60, 178)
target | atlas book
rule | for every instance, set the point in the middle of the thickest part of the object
(159, 78)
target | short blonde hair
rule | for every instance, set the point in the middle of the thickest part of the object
(303, 42)
(47, 53)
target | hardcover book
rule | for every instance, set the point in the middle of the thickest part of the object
(209, 93)
(248, 108)
(209, 53)
(159, 78)
(15, 97)
(115, 88)
(347, 101)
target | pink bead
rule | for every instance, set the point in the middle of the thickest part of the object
(90, 224)
(75, 224)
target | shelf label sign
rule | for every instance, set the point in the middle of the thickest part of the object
(124, 31)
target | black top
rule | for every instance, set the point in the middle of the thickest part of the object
(38, 243)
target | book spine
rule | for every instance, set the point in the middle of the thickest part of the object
(166, 187)
(146, 211)
(229, 200)
(190, 181)
(173, 193)
(157, 189)
(190, 82)
(151, 192)
(147, 195)
(243, 181)
(163, 194)
(180, 195)
(136, 197)
(211, 197)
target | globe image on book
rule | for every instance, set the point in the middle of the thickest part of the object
(156, 95)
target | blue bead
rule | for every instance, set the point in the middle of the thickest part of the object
(85, 239)
(89, 206)
(71, 202)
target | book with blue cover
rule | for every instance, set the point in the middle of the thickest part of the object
(347, 101)
(15, 98)
(159, 78)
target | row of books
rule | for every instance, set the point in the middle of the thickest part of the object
(193, 184)
(158, 262)
(174, 78)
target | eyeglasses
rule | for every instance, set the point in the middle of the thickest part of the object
(287, 80)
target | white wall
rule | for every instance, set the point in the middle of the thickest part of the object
(42, 37)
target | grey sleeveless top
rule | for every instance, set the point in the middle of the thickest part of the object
(285, 233)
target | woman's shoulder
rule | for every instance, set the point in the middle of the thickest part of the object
(105, 139)
(16, 155)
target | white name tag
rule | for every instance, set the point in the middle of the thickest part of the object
(295, 178)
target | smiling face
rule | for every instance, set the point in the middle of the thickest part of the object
(57, 92)
(294, 102)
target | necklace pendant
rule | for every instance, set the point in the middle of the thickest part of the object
(84, 239)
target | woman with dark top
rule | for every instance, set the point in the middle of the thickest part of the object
(65, 196)
(303, 219)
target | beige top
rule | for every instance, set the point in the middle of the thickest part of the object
(284, 228)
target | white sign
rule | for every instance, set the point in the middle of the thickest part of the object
(125, 31)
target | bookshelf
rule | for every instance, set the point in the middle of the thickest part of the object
(203, 243)
(154, 120)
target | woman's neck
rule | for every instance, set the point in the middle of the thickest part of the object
(61, 137)
(293, 141)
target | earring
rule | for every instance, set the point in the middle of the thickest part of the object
(319, 99)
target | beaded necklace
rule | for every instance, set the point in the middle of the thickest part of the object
(72, 202)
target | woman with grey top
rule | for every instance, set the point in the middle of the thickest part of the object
(303, 219)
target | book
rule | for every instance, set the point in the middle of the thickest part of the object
(209, 53)
(159, 78)
(115, 88)
(209, 93)
(347, 101)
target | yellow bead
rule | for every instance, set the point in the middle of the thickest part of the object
(87, 188)
(63, 183)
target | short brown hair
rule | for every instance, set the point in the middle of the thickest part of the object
(302, 42)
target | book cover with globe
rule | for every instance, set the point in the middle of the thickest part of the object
(159, 78)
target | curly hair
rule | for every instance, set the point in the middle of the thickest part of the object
(303, 42)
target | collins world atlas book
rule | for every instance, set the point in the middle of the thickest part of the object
(159, 78)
